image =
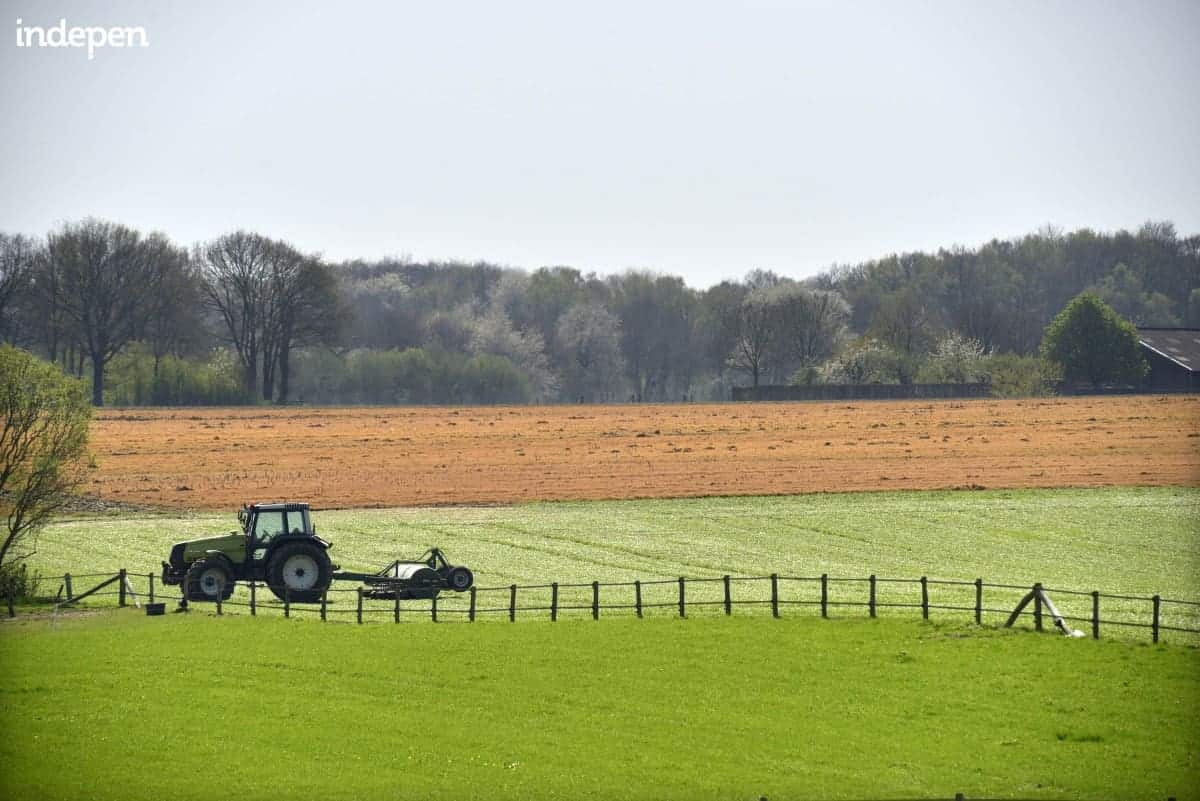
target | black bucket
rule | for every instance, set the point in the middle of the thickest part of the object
(155, 609)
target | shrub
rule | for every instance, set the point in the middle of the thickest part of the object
(19, 581)
(1014, 376)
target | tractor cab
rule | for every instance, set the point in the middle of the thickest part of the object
(264, 524)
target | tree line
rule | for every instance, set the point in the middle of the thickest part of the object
(244, 318)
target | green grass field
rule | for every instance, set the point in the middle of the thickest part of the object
(195, 706)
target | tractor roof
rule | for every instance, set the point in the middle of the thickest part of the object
(280, 506)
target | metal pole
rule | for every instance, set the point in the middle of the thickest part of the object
(471, 608)
(871, 599)
(681, 614)
(824, 595)
(728, 599)
(595, 600)
(774, 595)
(554, 601)
(1037, 606)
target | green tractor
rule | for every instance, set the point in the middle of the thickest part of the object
(279, 545)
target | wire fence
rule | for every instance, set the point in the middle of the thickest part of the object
(777, 595)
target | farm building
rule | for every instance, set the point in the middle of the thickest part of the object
(1174, 358)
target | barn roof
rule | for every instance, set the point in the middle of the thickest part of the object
(1180, 345)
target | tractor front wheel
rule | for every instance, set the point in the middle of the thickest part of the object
(208, 579)
(299, 572)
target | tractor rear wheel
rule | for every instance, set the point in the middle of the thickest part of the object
(207, 579)
(299, 572)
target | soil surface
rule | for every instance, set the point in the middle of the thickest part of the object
(406, 456)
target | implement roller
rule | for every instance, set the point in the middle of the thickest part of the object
(421, 579)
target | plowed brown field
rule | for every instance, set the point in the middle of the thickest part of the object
(351, 457)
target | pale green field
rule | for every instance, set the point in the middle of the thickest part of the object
(1127, 541)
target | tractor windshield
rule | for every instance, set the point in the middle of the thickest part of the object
(269, 525)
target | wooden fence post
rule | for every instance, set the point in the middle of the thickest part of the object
(728, 598)
(253, 598)
(324, 601)
(1095, 614)
(67, 584)
(11, 611)
(471, 608)
(433, 608)
(871, 599)
(925, 597)
(396, 606)
(512, 603)
(1157, 605)
(637, 602)
(774, 595)
(151, 577)
(287, 602)
(681, 610)
(121, 588)
(220, 594)
(554, 602)
(358, 611)
(595, 600)
(1037, 606)
(824, 595)
(979, 601)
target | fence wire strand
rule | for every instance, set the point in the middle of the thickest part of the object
(575, 600)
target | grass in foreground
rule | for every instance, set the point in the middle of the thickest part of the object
(189, 706)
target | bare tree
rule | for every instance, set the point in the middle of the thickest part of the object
(756, 333)
(311, 312)
(283, 287)
(175, 326)
(108, 281)
(235, 277)
(18, 256)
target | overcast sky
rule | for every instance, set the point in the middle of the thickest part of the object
(701, 139)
